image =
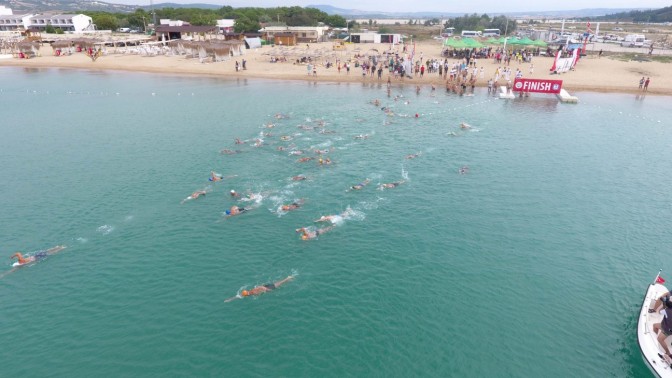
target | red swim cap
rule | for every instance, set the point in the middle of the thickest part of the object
(245, 293)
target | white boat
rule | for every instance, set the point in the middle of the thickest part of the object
(652, 351)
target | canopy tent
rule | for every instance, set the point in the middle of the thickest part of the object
(493, 41)
(539, 43)
(515, 41)
(471, 43)
(454, 43)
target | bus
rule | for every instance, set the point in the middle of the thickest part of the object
(471, 33)
(491, 32)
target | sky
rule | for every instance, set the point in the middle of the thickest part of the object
(468, 6)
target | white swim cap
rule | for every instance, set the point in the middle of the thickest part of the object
(233, 191)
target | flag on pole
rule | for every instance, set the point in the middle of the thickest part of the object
(660, 280)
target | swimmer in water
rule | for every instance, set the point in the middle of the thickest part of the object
(235, 210)
(335, 218)
(465, 126)
(412, 156)
(258, 290)
(362, 136)
(194, 195)
(234, 194)
(238, 141)
(464, 170)
(36, 256)
(229, 152)
(361, 185)
(292, 206)
(307, 234)
(391, 185)
(299, 178)
(305, 159)
(215, 176)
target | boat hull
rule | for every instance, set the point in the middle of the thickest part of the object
(648, 343)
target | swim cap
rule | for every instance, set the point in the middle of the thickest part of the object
(228, 212)
(233, 191)
(245, 293)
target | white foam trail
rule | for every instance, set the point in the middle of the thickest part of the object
(105, 229)
(404, 173)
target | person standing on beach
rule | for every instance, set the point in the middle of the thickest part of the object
(641, 83)
(646, 84)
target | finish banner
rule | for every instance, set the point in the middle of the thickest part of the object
(537, 85)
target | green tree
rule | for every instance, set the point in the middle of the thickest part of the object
(49, 29)
(105, 22)
(244, 24)
(336, 21)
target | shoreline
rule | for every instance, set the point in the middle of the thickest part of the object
(603, 75)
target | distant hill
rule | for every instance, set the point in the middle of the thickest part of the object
(174, 5)
(37, 6)
(354, 13)
(653, 15)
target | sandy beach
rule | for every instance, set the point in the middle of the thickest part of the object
(592, 73)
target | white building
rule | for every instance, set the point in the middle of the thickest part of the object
(303, 33)
(225, 25)
(169, 22)
(4, 11)
(15, 22)
(66, 22)
(374, 38)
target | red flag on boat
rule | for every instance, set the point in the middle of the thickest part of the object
(660, 280)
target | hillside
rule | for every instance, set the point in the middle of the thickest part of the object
(653, 15)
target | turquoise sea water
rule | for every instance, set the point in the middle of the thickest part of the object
(533, 263)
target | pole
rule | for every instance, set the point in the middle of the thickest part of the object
(506, 31)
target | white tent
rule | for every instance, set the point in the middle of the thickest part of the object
(253, 43)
